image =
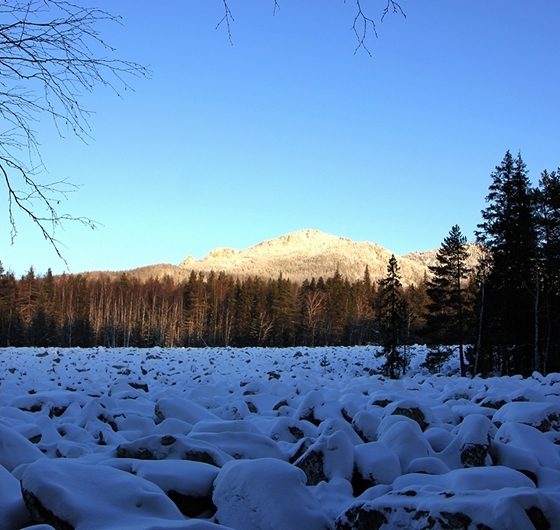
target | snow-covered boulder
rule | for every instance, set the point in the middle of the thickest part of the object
(525, 437)
(266, 494)
(406, 439)
(365, 424)
(289, 430)
(429, 465)
(156, 447)
(463, 499)
(471, 443)
(188, 484)
(15, 449)
(410, 409)
(542, 416)
(331, 456)
(375, 464)
(68, 494)
(181, 409)
(239, 444)
(13, 514)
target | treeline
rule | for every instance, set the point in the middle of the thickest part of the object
(205, 310)
(502, 316)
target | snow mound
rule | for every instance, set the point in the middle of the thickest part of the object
(266, 494)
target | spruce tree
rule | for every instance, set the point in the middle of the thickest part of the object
(8, 308)
(392, 320)
(508, 235)
(446, 290)
(548, 224)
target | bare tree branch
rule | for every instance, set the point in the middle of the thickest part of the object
(394, 8)
(51, 54)
(227, 19)
(38, 201)
(363, 24)
(360, 28)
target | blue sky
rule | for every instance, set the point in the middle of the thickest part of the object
(288, 128)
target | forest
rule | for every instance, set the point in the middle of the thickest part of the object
(504, 316)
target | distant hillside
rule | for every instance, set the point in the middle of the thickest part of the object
(428, 257)
(298, 256)
(305, 254)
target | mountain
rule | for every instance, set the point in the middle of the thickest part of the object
(302, 255)
(311, 253)
(428, 257)
(298, 256)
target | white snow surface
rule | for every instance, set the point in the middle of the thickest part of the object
(270, 439)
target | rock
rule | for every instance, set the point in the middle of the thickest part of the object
(365, 424)
(181, 409)
(406, 440)
(475, 433)
(541, 416)
(538, 518)
(516, 458)
(375, 464)
(13, 513)
(157, 447)
(525, 438)
(68, 494)
(16, 449)
(266, 494)
(40, 513)
(312, 463)
(290, 430)
(239, 444)
(429, 465)
(329, 457)
(442, 507)
(473, 455)
(414, 413)
(187, 483)
(361, 517)
(190, 505)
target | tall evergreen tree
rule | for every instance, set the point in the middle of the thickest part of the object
(548, 223)
(508, 235)
(392, 319)
(8, 308)
(417, 300)
(446, 290)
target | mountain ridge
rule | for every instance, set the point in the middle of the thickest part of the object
(298, 256)
(301, 255)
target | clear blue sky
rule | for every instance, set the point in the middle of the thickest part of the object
(287, 129)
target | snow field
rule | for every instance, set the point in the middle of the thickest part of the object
(270, 439)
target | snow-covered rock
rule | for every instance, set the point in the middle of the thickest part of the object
(12, 508)
(86, 497)
(211, 439)
(266, 494)
(15, 449)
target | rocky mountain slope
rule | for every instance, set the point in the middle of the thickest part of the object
(298, 256)
(305, 254)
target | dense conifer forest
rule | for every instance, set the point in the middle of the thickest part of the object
(503, 316)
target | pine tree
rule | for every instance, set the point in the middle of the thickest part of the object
(336, 313)
(508, 235)
(392, 320)
(417, 300)
(446, 290)
(548, 224)
(8, 312)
